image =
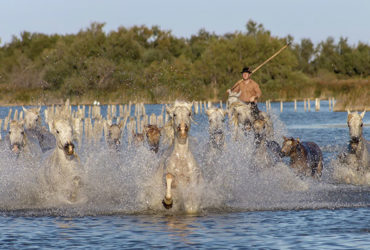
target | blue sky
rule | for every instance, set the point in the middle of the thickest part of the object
(314, 19)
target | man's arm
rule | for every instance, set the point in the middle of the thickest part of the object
(236, 87)
(257, 91)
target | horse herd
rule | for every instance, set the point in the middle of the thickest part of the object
(178, 170)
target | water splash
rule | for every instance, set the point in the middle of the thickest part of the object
(126, 182)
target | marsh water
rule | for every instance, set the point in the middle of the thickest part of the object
(241, 207)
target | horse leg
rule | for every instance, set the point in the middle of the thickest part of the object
(76, 184)
(167, 201)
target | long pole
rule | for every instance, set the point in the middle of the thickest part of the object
(269, 59)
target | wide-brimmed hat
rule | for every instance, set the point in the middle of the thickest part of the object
(246, 70)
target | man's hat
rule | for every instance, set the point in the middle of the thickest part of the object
(246, 69)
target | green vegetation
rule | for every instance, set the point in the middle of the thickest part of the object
(152, 65)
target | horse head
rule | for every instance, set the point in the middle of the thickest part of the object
(62, 130)
(32, 117)
(153, 134)
(354, 121)
(114, 134)
(17, 136)
(180, 112)
(289, 146)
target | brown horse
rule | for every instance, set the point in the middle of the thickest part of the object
(153, 135)
(305, 157)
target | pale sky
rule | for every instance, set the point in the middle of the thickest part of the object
(314, 19)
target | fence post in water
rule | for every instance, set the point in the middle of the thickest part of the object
(15, 115)
(329, 100)
(309, 104)
(305, 105)
(267, 106)
(196, 107)
(295, 105)
(281, 106)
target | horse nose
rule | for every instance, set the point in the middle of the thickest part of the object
(69, 148)
(117, 142)
(355, 139)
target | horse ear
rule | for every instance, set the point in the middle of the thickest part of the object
(39, 109)
(208, 112)
(348, 112)
(363, 114)
(169, 110)
(228, 91)
(190, 105)
(52, 127)
(24, 109)
(239, 93)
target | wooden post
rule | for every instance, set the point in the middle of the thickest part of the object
(267, 106)
(281, 106)
(305, 105)
(329, 100)
(309, 104)
(295, 105)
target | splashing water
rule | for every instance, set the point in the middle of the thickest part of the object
(126, 182)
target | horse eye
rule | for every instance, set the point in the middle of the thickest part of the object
(189, 114)
(362, 124)
(174, 115)
(10, 132)
(57, 131)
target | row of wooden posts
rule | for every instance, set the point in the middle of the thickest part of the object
(306, 104)
(139, 118)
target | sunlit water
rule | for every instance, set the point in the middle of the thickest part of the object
(243, 202)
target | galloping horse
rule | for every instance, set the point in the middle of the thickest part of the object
(216, 118)
(358, 156)
(153, 135)
(19, 142)
(266, 149)
(305, 157)
(180, 169)
(63, 171)
(35, 131)
(244, 114)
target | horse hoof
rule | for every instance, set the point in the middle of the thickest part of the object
(167, 203)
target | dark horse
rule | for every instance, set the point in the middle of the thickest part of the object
(305, 157)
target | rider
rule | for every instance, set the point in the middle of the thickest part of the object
(250, 91)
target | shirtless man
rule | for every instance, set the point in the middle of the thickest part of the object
(250, 91)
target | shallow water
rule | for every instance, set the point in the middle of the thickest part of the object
(242, 207)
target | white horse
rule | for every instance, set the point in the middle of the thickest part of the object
(357, 157)
(180, 170)
(216, 119)
(19, 142)
(242, 115)
(35, 131)
(64, 173)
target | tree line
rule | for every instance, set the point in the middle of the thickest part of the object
(151, 64)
